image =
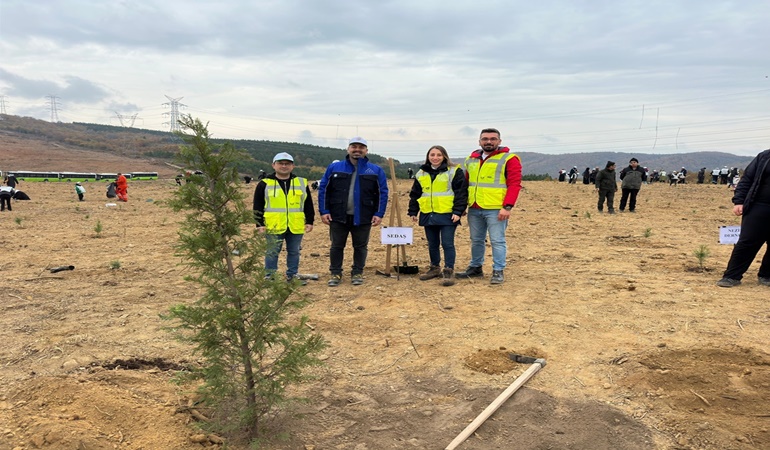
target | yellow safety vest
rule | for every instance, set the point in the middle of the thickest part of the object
(285, 211)
(437, 194)
(486, 182)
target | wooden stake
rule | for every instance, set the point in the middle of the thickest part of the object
(517, 383)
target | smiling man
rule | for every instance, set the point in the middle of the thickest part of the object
(352, 196)
(283, 208)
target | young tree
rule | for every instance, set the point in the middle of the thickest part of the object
(243, 326)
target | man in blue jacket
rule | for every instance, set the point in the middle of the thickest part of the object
(352, 196)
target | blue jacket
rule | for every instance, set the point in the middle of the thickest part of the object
(370, 192)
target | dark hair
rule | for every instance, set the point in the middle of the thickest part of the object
(448, 161)
(490, 130)
(634, 160)
(609, 163)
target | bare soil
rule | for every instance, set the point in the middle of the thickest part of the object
(642, 350)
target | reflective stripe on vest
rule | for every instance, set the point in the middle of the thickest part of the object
(437, 194)
(285, 210)
(486, 182)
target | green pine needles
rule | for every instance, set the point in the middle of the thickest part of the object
(244, 326)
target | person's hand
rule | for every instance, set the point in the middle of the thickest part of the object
(504, 214)
(261, 229)
(376, 220)
(414, 218)
(455, 218)
(326, 218)
(308, 228)
(738, 210)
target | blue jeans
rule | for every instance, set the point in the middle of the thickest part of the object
(443, 236)
(480, 222)
(274, 245)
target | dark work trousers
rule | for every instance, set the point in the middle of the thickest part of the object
(443, 236)
(624, 197)
(610, 196)
(5, 200)
(338, 232)
(754, 233)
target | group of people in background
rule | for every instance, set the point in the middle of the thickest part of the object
(353, 196)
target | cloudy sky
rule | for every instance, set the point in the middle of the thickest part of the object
(555, 76)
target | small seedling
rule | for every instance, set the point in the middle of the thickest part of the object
(702, 253)
(588, 214)
(98, 228)
(115, 265)
(18, 221)
(648, 232)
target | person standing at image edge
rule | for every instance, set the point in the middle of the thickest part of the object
(283, 209)
(752, 204)
(440, 195)
(352, 196)
(494, 182)
(606, 186)
(631, 178)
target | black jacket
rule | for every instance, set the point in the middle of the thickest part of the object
(749, 183)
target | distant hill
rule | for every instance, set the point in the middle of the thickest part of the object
(159, 147)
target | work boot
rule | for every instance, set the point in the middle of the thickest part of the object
(433, 272)
(471, 272)
(448, 276)
(765, 281)
(497, 277)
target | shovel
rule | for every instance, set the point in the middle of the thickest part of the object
(395, 214)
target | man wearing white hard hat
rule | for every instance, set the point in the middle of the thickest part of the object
(283, 208)
(352, 196)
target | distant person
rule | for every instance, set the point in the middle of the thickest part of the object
(440, 195)
(673, 178)
(19, 195)
(631, 178)
(752, 204)
(701, 175)
(715, 176)
(352, 197)
(121, 187)
(592, 177)
(6, 193)
(562, 175)
(112, 190)
(178, 179)
(261, 175)
(494, 183)
(81, 191)
(723, 173)
(682, 175)
(410, 173)
(283, 209)
(606, 186)
(573, 174)
(247, 179)
(314, 185)
(587, 176)
(10, 180)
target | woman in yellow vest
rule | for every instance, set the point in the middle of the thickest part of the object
(283, 208)
(440, 195)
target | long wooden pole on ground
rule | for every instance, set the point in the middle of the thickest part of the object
(517, 383)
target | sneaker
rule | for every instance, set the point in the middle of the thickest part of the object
(728, 282)
(448, 277)
(497, 277)
(335, 280)
(357, 279)
(296, 279)
(433, 272)
(611, 212)
(765, 281)
(471, 272)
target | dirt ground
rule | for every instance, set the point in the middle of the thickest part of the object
(642, 350)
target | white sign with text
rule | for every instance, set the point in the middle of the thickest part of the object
(396, 235)
(729, 235)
